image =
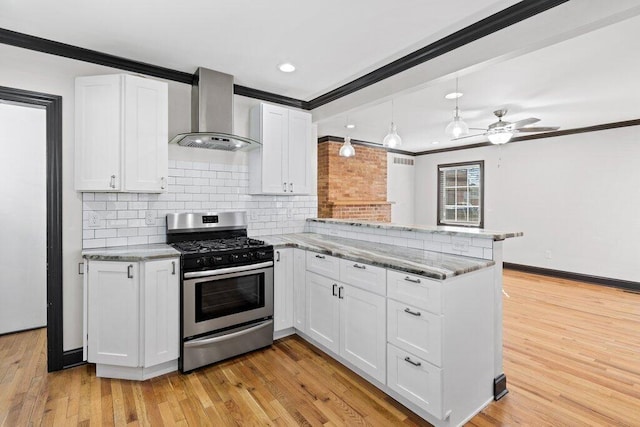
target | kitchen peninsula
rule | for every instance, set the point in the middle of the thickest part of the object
(417, 311)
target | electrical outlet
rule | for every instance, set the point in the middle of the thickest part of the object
(94, 219)
(547, 254)
(150, 218)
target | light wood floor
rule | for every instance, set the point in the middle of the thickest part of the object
(572, 357)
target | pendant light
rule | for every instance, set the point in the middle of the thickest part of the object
(347, 149)
(457, 127)
(392, 139)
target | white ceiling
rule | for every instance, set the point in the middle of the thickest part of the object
(587, 80)
(331, 41)
(572, 66)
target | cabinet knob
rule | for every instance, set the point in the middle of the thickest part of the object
(112, 182)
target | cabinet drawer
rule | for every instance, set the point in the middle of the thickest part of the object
(367, 277)
(415, 379)
(415, 290)
(415, 330)
(323, 264)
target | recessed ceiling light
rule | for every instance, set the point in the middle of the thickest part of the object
(350, 126)
(435, 142)
(287, 67)
(453, 95)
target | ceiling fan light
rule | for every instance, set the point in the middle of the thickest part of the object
(392, 140)
(347, 149)
(500, 137)
(457, 128)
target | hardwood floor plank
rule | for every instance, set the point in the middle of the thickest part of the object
(570, 354)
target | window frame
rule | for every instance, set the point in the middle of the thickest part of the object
(479, 163)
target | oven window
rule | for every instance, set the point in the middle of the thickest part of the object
(222, 297)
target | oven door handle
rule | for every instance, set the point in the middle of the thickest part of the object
(228, 270)
(205, 341)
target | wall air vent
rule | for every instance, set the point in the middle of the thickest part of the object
(402, 161)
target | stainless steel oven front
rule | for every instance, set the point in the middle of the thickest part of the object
(226, 311)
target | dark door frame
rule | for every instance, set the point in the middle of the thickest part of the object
(53, 107)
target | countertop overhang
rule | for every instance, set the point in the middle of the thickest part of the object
(435, 265)
(131, 253)
(440, 229)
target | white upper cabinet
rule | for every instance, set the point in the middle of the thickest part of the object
(282, 165)
(121, 138)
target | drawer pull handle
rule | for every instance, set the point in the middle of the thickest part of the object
(340, 289)
(414, 313)
(173, 267)
(408, 359)
(284, 187)
(163, 183)
(278, 258)
(112, 182)
(320, 256)
(361, 267)
(333, 291)
(409, 279)
(130, 271)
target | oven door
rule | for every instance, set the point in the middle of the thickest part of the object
(217, 299)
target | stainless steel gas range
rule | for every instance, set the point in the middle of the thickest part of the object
(227, 287)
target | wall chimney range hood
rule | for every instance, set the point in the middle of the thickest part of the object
(212, 115)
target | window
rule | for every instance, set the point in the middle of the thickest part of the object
(461, 194)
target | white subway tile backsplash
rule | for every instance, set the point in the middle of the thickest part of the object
(192, 186)
(482, 243)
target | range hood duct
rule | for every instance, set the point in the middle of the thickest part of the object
(212, 115)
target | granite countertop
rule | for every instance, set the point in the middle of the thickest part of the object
(131, 253)
(440, 229)
(435, 265)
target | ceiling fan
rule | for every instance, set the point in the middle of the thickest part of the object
(501, 132)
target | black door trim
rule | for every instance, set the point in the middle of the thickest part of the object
(53, 107)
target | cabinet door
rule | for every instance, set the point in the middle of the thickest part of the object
(415, 379)
(161, 311)
(363, 330)
(299, 151)
(113, 313)
(275, 138)
(98, 136)
(323, 322)
(299, 289)
(145, 134)
(283, 289)
(416, 330)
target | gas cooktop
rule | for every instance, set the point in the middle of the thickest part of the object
(217, 245)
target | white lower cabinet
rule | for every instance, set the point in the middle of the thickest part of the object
(415, 379)
(283, 290)
(132, 317)
(348, 321)
(299, 290)
(323, 312)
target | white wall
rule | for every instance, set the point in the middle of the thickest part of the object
(574, 197)
(23, 218)
(401, 188)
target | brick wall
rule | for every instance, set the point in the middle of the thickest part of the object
(352, 188)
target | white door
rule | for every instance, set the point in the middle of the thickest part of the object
(23, 226)
(145, 134)
(98, 133)
(113, 313)
(323, 321)
(161, 311)
(363, 330)
(283, 289)
(299, 152)
(274, 148)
